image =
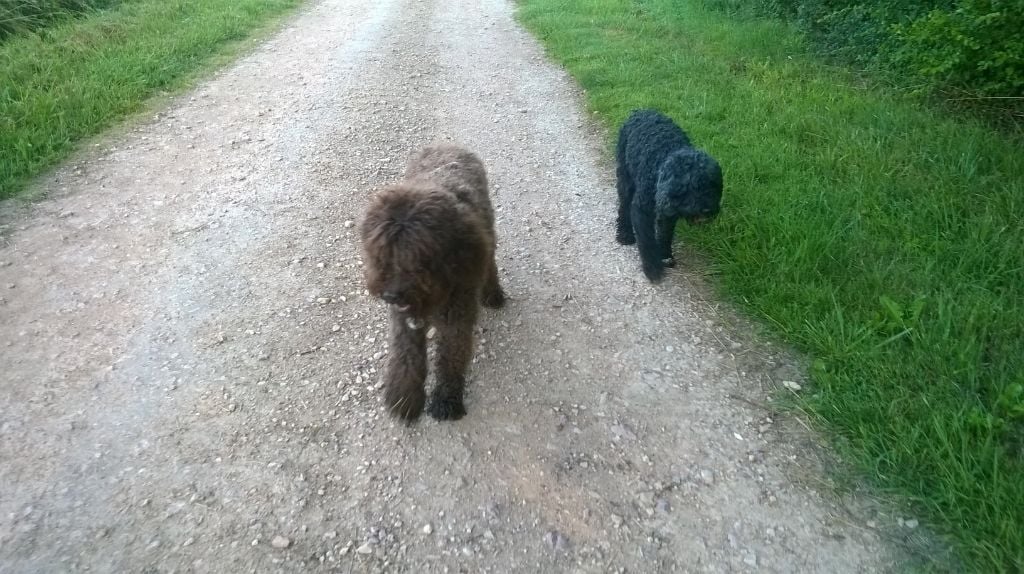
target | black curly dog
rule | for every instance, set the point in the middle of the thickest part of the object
(661, 178)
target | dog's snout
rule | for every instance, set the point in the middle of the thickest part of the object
(391, 297)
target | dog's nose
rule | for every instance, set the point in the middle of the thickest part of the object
(390, 297)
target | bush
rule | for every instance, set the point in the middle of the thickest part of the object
(977, 47)
(971, 46)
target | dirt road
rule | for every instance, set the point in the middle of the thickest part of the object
(189, 368)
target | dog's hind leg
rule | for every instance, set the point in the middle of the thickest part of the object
(492, 296)
(406, 370)
(626, 188)
(647, 243)
(624, 224)
(665, 230)
(454, 350)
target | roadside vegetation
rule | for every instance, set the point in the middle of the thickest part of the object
(70, 68)
(966, 53)
(34, 15)
(879, 234)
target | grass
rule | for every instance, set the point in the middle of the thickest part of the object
(27, 15)
(880, 236)
(73, 78)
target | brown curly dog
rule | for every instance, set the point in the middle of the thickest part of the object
(429, 247)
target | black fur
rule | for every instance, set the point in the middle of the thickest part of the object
(661, 178)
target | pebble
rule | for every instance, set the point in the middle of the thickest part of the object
(792, 385)
(366, 548)
(280, 542)
(428, 529)
(707, 476)
(616, 520)
(349, 223)
(556, 540)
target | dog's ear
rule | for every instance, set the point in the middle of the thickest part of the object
(665, 190)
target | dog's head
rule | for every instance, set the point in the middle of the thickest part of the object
(418, 246)
(689, 186)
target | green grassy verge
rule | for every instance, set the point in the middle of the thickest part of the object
(879, 236)
(77, 77)
(17, 16)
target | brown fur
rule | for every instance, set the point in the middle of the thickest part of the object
(429, 247)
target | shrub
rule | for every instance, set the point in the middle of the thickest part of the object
(967, 46)
(977, 47)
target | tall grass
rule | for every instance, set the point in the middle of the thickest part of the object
(20, 16)
(76, 77)
(881, 237)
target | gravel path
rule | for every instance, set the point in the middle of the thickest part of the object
(189, 366)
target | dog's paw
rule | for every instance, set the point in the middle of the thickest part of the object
(404, 404)
(625, 238)
(668, 262)
(494, 299)
(446, 407)
(654, 273)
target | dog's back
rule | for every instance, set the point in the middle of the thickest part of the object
(646, 139)
(456, 170)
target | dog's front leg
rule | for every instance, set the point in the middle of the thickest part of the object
(646, 242)
(666, 231)
(454, 351)
(406, 370)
